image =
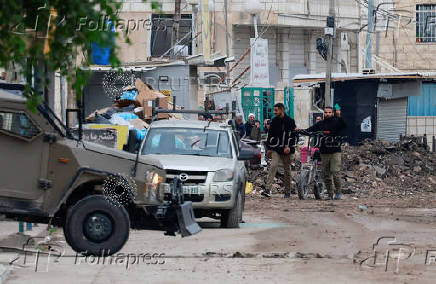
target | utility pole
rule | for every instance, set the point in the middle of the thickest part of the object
(368, 59)
(227, 45)
(330, 31)
(194, 27)
(176, 24)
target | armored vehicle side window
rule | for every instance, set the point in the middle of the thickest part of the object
(18, 124)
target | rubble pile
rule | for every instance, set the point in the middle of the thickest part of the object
(259, 177)
(375, 168)
(383, 169)
(132, 108)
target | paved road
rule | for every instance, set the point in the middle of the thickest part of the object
(280, 242)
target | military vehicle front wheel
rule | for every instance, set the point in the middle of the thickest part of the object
(94, 226)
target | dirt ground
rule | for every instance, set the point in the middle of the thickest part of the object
(281, 241)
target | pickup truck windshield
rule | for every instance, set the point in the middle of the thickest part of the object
(186, 141)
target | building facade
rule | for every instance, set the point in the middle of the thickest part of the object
(290, 26)
(404, 36)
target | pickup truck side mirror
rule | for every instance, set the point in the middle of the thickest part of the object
(245, 154)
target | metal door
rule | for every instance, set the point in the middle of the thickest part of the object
(259, 101)
(391, 119)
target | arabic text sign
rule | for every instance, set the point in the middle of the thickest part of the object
(259, 68)
(105, 137)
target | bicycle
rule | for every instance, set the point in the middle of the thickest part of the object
(310, 169)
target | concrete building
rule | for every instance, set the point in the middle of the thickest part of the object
(375, 106)
(404, 35)
(290, 26)
(404, 40)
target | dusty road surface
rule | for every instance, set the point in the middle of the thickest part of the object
(281, 241)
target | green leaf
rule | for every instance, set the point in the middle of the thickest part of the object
(65, 41)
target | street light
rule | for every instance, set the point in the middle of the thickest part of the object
(253, 7)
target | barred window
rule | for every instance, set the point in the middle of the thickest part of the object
(161, 35)
(18, 124)
(425, 23)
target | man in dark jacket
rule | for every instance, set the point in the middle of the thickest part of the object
(280, 144)
(240, 126)
(330, 149)
(255, 133)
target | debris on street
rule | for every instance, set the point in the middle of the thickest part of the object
(384, 169)
(375, 168)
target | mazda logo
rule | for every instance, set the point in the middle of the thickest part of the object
(183, 177)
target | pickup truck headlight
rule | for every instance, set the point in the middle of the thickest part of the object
(153, 178)
(223, 175)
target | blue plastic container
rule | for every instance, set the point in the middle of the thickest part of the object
(100, 55)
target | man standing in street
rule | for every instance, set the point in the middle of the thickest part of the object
(266, 125)
(255, 133)
(250, 123)
(240, 126)
(330, 150)
(280, 145)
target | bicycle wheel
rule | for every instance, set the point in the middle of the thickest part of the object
(318, 187)
(303, 184)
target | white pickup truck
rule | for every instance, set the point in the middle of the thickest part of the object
(207, 159)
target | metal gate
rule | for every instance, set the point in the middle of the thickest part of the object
(391, 119)
(289, 101)
(259, 101)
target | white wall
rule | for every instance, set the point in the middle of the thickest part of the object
(302, 106)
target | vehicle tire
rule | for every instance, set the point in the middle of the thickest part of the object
(96, 227)
(231, 218)
(302, 184)
(242, 191)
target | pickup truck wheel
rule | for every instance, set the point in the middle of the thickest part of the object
(94, 226)
(231, 218)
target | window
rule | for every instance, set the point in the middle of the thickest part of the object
(18, 124)
(425, 23)
(161, 35)
(187, 141)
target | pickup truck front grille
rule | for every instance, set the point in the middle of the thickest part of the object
(193, 176)
(193, 197)
(187, 197)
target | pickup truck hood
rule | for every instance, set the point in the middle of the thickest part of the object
(90, 146)
(192, 163)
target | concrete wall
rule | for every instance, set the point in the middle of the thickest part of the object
(291, 51)
(302, 106)
(299, 13)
